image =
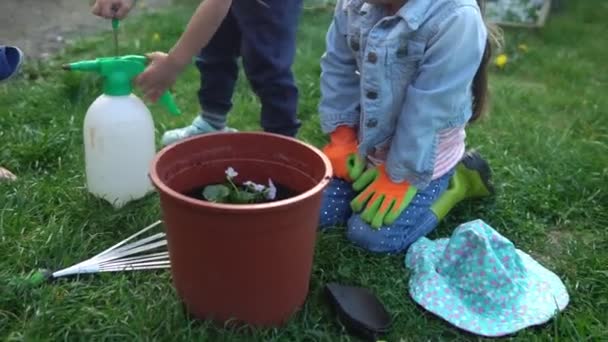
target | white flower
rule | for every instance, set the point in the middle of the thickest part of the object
(254, 186)
(230, 173)
(271, 192)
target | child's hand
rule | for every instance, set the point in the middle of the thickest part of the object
(111, 9)
(383, 200)
(343, 155)
(159, 76)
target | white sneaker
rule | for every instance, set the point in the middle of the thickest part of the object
(6, 175)
(198, 126)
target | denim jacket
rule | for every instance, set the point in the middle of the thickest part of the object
(401, 79)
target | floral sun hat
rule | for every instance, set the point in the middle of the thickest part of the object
(478, 281)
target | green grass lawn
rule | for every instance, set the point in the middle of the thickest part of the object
(546, 140)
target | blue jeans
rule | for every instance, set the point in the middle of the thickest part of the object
(265, 38)
(416, 221)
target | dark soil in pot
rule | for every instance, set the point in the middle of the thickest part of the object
(283, 193)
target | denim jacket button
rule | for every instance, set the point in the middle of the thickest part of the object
(372, 58)
(402, 51)
(354, 44)
(372, 95)
(371, 123)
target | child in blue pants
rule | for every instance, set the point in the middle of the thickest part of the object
(11, 58)
(263, 33)
(265, 38)
(400, 81)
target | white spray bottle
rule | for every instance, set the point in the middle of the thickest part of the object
(119, 136)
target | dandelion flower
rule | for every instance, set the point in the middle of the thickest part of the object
(501, 60)
(523, 47)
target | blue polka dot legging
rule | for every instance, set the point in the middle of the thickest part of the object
(416, 221)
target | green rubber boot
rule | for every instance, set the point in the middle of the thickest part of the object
(472, 179)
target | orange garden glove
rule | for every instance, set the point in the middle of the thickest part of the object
(343, 154)
(388, 199)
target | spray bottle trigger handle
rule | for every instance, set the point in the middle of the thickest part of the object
(167, 100)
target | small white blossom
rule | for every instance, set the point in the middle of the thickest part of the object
(271, 191)
(230, 173)
(255, 187)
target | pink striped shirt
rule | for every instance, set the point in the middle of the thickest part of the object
(450, 149)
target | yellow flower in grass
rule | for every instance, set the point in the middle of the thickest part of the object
(523, 48)
(501, 60)
(156, 37)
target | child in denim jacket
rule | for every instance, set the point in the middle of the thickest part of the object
(400, 81)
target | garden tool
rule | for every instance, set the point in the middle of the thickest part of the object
(359, 310)
(120, 257)
(343, 154)
(382, 199)
(119, 134)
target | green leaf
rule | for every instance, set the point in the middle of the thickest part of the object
(243, 197)
(216, 193)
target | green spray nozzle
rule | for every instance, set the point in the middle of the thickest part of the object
(115, 23)
(118, 74)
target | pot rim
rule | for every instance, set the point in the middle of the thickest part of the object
(160, 185)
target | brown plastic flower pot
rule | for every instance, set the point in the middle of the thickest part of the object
(245, 263)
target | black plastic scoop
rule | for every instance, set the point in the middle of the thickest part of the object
(359, 310)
